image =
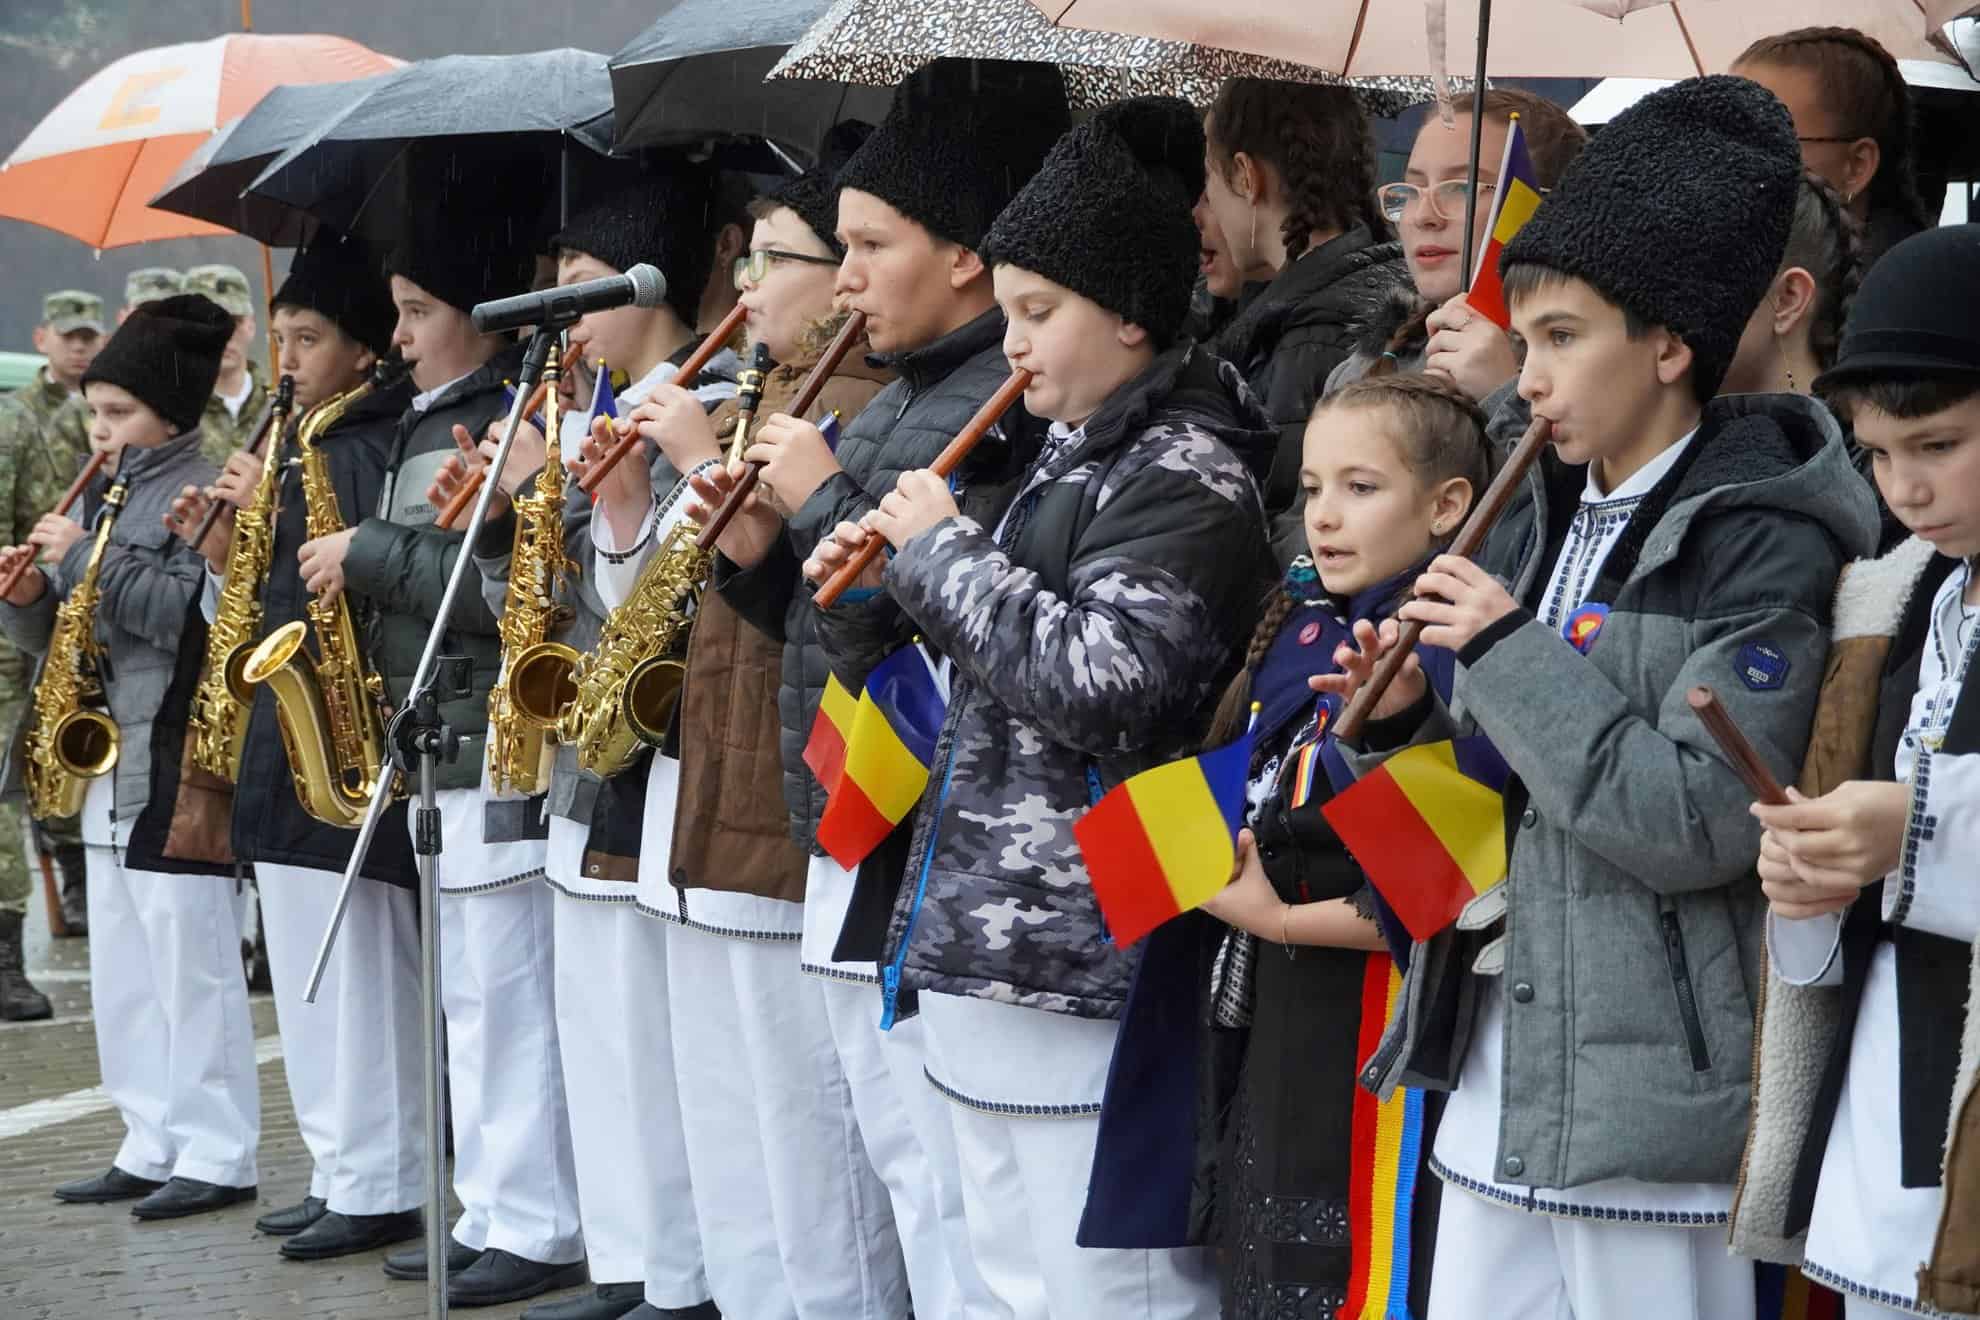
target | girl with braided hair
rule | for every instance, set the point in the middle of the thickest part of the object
(1852, 112)
(1291, 185)
(1281, 966)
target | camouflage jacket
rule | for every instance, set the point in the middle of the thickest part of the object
(224, 433)
(33, 476)
(1089, 636)
(67, 431)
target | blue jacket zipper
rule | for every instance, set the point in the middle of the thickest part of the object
(890, 975)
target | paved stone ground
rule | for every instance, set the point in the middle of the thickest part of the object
(59, 1262)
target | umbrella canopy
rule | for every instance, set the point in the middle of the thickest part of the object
(212, 184)
(91, 167)
(697, 75)
(882, 42)
(1530, 38)
(441, 124)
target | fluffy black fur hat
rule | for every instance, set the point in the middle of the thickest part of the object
(1677, 212)
(959, 141)
(1108, 213)
(814, 194)
(338, 277)
(167, 353)
(463, 262)
(665, 219)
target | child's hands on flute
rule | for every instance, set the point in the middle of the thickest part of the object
(1819, 853)
(832, 553)
(1455, 600)
(1358, 661)
(674, 420)
(918, 501)
(796, 460)
(754, 529)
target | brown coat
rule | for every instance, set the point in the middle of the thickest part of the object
(731, 830)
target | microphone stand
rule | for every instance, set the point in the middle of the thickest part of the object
(420, 740)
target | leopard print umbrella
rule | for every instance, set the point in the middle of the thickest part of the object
(880, 42)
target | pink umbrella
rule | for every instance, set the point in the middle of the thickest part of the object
(90, 167)
(1529, 38)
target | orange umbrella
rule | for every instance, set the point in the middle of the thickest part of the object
(90, 167)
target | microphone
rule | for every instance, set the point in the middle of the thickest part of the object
(642, 286)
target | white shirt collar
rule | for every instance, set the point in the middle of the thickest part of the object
(235, 402)
(421, 402)
(1641, 480)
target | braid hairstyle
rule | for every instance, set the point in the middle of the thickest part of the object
(1825, 241)
(1865, 87)
(1315, 138)
(1441, 434)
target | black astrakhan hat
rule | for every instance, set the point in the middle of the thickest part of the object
(463, 262)
(1678, 212)
(663, 219)
(1913, 315)
(960, 140)
(814, 194)
(337, 276)
(1108, 213)
(167, 353)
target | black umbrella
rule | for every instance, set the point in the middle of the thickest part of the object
(499, 125)
(212, 184)
(697, 76)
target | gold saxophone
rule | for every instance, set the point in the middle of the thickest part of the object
(626, 688)
(218, 718)
(330, 708)
(537, 677)
(68, 744)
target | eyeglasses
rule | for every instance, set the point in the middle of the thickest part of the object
(1446, 198)
(753, 266)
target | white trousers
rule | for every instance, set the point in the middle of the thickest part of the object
(1855, 1308)
(379, 1082)
(296, 902)
(1538, 1267)
(795, 1222)
(173, 1036)
(618, 1064)
(904, 1123)
(513, 1168)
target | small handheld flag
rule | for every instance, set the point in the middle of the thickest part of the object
(1428, 827)
(825, 750)
(1164, 841)
(509, 402)
(1516, 199)
(604, 403)
(888, 749)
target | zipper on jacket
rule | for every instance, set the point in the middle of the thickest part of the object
(1694, 1029)
(890, 975)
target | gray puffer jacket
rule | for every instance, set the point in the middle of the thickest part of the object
(1631, 934)
(1089, 635)
(148, 582)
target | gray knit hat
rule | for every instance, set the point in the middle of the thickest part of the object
(1678, 212)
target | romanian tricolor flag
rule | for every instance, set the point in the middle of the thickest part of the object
(604, 403)
(1782, 1292)
(825, 750)
(1514, 202)
(889, 745)
(1385, 1155)
(1428, 828)
(1165, 840)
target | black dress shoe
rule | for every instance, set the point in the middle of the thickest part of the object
(502, 1276)
(346, 1235)
(189, 1196)
(648, 1311)
(293, 1219)
(111, 1185)
(411, 1263)
(607, 1301)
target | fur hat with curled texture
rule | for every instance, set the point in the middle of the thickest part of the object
(1678, 213)
(337, 277)
(663, 219)
(465, 263)
(814, 194)
(959, 141)
(167, 354)
(1108, 213)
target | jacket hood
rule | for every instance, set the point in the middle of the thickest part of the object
(1190, 385)
(1290, 301)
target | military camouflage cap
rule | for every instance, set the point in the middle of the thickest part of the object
(225, 285)
(72, 309)
(152, 283)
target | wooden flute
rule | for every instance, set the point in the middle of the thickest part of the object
(684, 378)
(24, 554)
(471, 486)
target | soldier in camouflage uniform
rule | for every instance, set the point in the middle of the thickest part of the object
(239, 396)
(69, 428)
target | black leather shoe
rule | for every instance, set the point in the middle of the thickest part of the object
(346, 1235)
(112, 1185)
(189, 1196)
(411, 1263)
(290, 1220)
(501, 1276)
(648, 1311)
(608, 1301)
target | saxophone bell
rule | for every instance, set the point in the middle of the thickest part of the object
(542, 683)
(84, 746)
(652, 691)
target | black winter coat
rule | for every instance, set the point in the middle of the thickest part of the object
(936, 391)
(269, 822)
(1292, 335)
